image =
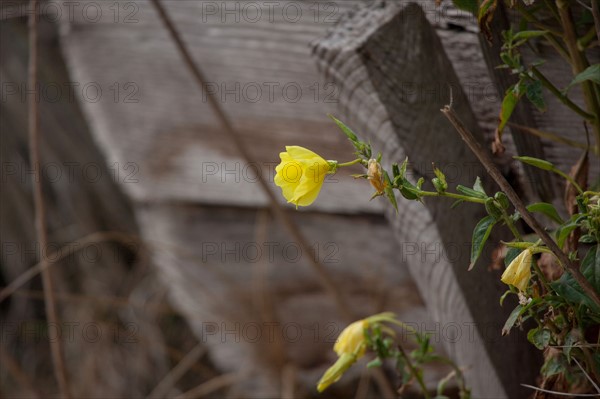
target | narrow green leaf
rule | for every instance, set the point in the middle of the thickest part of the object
(511, 98)
(456, 203)
(389, 191)
(528, 34)
(538, 163)
(347, 131)
(477, 186)
(480, 235)
(512, 319)
(590, 73)
(546, 209)
(516, 313)
(533, 91)
(469, 192)
(503, 297)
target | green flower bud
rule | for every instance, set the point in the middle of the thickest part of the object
(492, 208)
(502, 199)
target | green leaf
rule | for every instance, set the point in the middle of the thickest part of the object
(456, 203)
(554, 365)
(503, 297)
(538, 163)
(590, 267)
(375, 363)
(395, 170)
(512, 319)
(467, 5)
(533, 91)
(389, 191)
(480, 235)
(568, 288)
(477, 186)
(547, 210)
(590, 73)
(347, 131)
(528, 34)
(469, 192)
(511, 254)
(570, 340)
(515, 314)
(511, 98)
(540, 337)
(563, 232)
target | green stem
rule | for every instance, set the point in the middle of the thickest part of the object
(563, 99)
(341, 165)
(579, 63)
(451, 195)
(553, 41)
(414, 372)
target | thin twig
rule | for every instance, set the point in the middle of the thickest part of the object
(594, 395)
(493, 171)
(415, 373)
(213, 385)
(550, 136)
(579, 63)
(166, 384)
(587, 376)
(13, 368)
(324, 277)
(56, 347)
(58, 255)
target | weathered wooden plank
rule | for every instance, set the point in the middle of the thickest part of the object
(250, 294)
(370, 61)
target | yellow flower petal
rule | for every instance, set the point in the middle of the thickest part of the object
(518, 271)
(300, 175)
(335, 372)
(352, 340)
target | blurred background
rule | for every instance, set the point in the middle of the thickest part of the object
(174, 273)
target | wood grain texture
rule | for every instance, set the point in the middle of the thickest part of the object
(364, 60)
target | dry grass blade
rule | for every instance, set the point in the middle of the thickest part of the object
(587, 376)
(213, 385)
(579, 395)
(17, 373)
(56, 347)
(56, 256)
(324, 277)
(167, 383)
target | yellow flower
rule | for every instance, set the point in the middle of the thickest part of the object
(301, 174)
(350, 346)
(375, 176)
(518, 272)
(352, 340)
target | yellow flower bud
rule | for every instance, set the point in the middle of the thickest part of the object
(518, 271)
(301, 174)
(335, 372)
(375, 176)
